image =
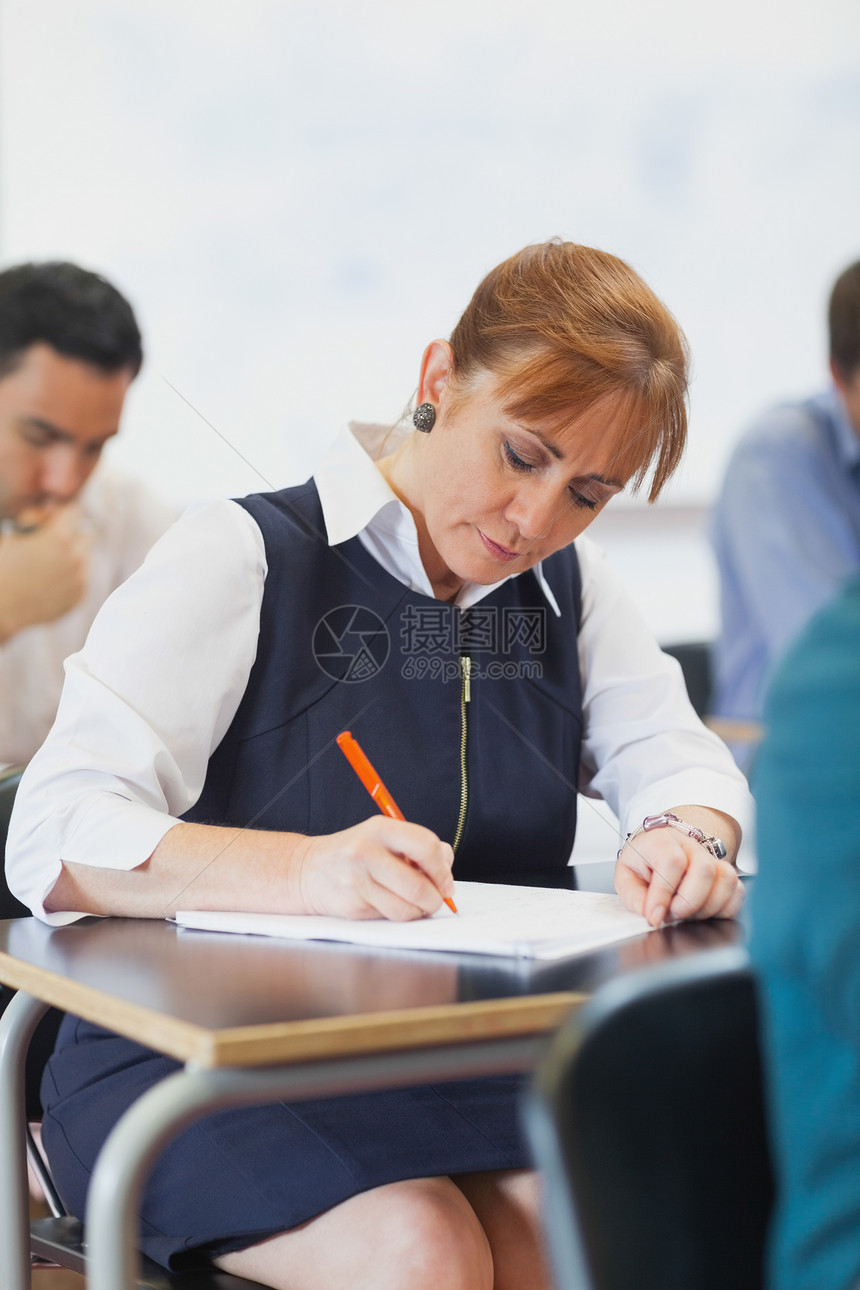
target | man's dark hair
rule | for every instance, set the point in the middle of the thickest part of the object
(844, 318)
(77, 312)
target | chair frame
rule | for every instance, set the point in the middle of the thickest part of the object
(59, 1240)
(599, 1195)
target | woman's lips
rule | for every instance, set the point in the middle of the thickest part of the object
(498, 552)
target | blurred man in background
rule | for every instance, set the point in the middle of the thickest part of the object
(69, 534)
(786, 528)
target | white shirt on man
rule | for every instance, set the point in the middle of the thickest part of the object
(125, 518)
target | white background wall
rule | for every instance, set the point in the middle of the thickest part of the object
(297, 196)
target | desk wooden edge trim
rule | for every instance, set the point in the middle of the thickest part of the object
(266, 1045)
(182, 1040)
(293, 1041)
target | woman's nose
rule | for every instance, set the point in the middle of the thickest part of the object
(534, 512)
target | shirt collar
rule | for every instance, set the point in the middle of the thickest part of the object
(355, 496)
(847, 438)
(351, 488)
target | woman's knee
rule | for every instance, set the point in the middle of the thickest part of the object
(434, 1237)
(421, 1233)
(508, 1206)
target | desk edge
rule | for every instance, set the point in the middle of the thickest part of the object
(293, 1041)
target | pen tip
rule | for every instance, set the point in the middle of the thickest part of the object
(449, 902)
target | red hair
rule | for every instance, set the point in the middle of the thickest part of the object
(566, 327)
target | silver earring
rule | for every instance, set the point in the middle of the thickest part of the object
(424, 417)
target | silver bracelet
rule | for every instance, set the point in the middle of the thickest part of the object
(669, 821)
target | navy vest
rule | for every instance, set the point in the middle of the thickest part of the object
(344, 645)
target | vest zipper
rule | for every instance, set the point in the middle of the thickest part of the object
(465, 697)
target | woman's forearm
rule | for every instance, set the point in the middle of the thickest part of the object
(197, 866)
(379, 868)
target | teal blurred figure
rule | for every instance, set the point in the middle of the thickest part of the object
(806, 947)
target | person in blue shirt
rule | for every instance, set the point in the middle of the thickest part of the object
(806, 948)
(786, 527)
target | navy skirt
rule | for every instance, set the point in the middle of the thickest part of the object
(238, 1176)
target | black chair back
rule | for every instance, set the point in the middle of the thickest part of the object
(695, 660)
(10, 906)
(647, 1119)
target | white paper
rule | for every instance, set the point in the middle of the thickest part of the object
(518, 922)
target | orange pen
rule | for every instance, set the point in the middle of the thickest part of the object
(374, 785)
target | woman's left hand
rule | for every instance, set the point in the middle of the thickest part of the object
(667, 876)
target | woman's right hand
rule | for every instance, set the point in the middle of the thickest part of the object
(381, 868)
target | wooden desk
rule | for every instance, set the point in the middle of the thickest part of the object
(256, 1020)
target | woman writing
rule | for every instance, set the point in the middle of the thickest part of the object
(195, 749)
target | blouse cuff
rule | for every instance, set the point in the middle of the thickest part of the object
(714, 792)
(113, 833)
